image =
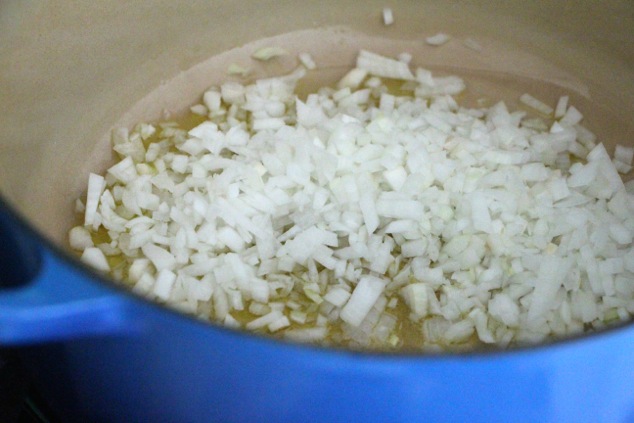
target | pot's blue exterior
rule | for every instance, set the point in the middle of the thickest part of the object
(182, 372)
(104, 356)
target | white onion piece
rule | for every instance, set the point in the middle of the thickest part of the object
(96, 184)
(388, 16)
(94, 257)
(562, 106)
(268, 53)
(536, 104)
(164, 284)
(307, 60)
(438, 39)
(415, 296)
(383, 66)
(80, 238)
(362, 299)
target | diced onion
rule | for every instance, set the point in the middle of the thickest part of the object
(336, 217)
(307, 60)
(388, 16)
(536, 104)
(438, 39)
(362, 299)
(95, 257)
(268, 53)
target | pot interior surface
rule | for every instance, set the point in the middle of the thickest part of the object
(70, 73)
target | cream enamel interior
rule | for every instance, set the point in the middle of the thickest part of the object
(70, 71)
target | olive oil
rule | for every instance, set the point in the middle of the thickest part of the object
(484, 88)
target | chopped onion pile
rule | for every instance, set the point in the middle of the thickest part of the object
(361, 218)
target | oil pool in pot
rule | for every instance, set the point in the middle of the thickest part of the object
(506, 77)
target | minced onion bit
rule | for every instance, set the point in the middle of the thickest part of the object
(438, 39)
(360, 218)
(388, 16)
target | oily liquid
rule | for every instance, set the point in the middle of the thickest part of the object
(484, 89)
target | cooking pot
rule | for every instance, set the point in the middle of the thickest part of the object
(70, 71)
